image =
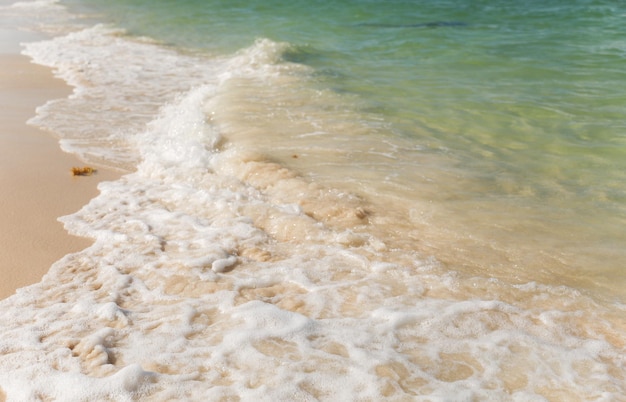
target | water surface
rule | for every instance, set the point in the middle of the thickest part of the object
(422, 199)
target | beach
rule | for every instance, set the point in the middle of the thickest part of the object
(37, 186)
(320, 201)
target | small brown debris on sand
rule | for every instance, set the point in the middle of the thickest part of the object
(83, 171)
(361, 213)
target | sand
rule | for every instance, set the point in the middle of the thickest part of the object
(36, 186)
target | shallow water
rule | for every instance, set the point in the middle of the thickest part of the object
(506, 117)
(334, 202)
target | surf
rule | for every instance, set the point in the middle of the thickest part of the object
(273, 237)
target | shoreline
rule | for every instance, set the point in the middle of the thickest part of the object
(35, 176)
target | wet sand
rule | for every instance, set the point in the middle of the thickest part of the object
(36, 184)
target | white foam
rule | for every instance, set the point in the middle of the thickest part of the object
(118, 89)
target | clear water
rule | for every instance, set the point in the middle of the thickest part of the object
(334, 200)
(516, 109)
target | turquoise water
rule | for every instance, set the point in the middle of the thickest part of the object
(521, 104)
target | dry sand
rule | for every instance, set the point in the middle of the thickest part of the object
(36, 186)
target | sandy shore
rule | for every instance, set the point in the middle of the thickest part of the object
(37, 186)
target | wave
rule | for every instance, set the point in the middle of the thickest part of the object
(223, 268)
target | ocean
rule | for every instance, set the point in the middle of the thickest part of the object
(322, 200)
